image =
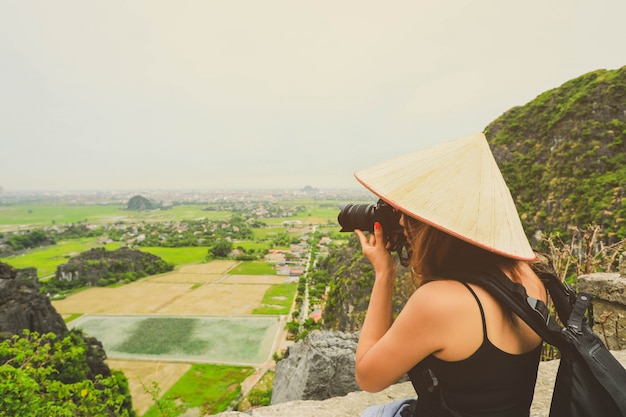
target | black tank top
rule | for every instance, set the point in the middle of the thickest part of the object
(489, 383)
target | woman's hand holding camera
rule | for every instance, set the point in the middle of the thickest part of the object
(376, 249)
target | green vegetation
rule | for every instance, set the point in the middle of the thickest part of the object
(72, 317)
(41, 376)
(563, 156)
(29, 240)
(210, 388)
(158, 336)
(139, 202)
(251, 246)
(47, 259)
(253, 268)
(260, 395)
(277, 299)
(99, 267)
(351, 285)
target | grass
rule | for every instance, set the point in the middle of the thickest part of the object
(47, 259)
(267, 232)
(277, 299)
(211, 388)
(248, 245)
(48, 215)
(72, 317)
(253, 268)
(260, 394)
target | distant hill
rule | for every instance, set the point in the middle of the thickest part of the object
(563, 155)
(140, 203)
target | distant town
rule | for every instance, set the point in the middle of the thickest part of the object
(175, 197)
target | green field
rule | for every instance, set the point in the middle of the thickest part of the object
(248, 245)
(253, 268)
(210, 388)
(47, 215)
(46, 259)
(277, 299)
(202, 339)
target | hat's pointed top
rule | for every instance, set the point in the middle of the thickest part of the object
(456, 187)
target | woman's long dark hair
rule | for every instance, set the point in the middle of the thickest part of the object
(434, 252)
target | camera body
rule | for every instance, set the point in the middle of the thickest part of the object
(363, 217)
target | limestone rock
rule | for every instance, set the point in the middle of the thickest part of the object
(23, 307)
(320, 367)
(609, 306)
(90, 266)
(606, 286)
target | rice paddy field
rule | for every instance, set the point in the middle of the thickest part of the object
(200, 339)
(161, 328)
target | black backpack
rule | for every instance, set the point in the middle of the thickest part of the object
(590, 381)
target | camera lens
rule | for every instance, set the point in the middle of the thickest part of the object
(357, 216)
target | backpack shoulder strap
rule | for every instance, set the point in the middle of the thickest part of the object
(533, 311)
(562, 294)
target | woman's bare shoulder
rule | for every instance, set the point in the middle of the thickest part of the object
(440, 296)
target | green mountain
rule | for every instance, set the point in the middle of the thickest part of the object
(140, 203)
(563, 156)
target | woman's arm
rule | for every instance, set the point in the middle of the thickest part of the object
(386, 349)
(379, 316)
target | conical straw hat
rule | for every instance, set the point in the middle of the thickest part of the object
(457, 188)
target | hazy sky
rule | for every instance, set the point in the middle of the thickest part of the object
(154, 94)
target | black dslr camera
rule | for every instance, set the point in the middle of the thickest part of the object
(363, 217)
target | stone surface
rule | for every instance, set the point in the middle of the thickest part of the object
(609, 306)
(320, 367)
(609, 287)
(354, 403)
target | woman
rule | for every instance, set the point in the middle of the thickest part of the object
(457, 214)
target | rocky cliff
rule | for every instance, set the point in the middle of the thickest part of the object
(23, 307)
(101, 267)
(319, 367)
